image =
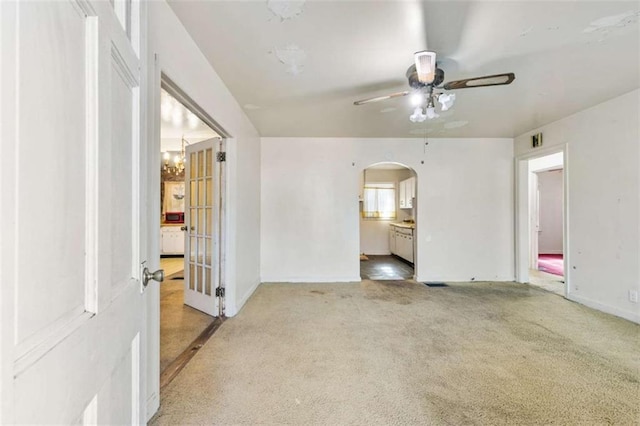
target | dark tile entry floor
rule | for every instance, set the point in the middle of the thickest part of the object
(385, 268)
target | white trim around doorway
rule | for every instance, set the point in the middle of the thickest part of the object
(522, 222)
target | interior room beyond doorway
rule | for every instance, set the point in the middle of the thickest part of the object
(546, 198)
(387, 222)
(180, 324)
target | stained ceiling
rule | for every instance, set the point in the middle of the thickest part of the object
(297, 67)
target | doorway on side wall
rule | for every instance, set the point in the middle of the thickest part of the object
(546, 221)
(191, 230)
(387, 211)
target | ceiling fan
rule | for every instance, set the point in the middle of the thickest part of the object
(424, 76)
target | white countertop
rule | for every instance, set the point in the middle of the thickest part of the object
(404, 225)
(171, 224)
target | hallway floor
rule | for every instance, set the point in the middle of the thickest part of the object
(385, 268)
(549, 282)
(179, 324)
(399, 352)
(172, 265)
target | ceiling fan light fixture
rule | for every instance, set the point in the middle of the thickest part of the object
(431, 113)
(425, 66)
(417, 99)
(446, 100)
(417, 116)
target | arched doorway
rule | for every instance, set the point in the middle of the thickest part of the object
(387, 212)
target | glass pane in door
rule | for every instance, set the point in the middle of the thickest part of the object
(204, 224)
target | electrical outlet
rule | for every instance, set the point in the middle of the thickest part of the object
(633, 296)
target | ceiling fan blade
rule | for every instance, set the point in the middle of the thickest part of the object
(381, 98)
(489, 80)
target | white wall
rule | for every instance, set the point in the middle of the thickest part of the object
(309, 225)
(602, 163)
(547, 162)
(550, 232)
(374, 233)
(181, 60)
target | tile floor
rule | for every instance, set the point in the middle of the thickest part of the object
(385, 268)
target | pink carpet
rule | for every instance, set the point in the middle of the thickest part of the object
(551, 264)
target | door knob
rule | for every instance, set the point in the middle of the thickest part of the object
(148, 276)
(183, 228)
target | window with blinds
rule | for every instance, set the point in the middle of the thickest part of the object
(379, 201)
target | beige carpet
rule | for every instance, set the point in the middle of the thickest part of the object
(179, 324)
(405, 354)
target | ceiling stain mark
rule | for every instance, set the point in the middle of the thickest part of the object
(292, 56)
(608, 24)
(286, 9)
(455, 124)
(525, 32)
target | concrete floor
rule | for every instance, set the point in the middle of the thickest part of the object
(179, 324)
(398, 352)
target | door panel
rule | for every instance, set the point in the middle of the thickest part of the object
(202, 263)
(62, 54)
(121, 178)
(70, 301)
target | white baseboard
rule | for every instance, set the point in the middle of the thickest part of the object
(634, 317)
(233, 310)
(550, 252)
(153, 404)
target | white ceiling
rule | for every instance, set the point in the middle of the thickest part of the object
(299, 76)
(177, 122)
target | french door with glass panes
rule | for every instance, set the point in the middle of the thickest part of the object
(203, 218)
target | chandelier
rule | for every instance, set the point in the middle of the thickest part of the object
(175, 165)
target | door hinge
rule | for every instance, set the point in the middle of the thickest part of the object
(221, 156)
(220, 292)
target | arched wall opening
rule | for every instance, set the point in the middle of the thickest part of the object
(387, 214)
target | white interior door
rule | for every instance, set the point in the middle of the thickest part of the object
(71, 301)
(203, 179)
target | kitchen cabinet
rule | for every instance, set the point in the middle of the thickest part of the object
(171, 240)
(401, 243)
(392, 239)
(407, 191)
